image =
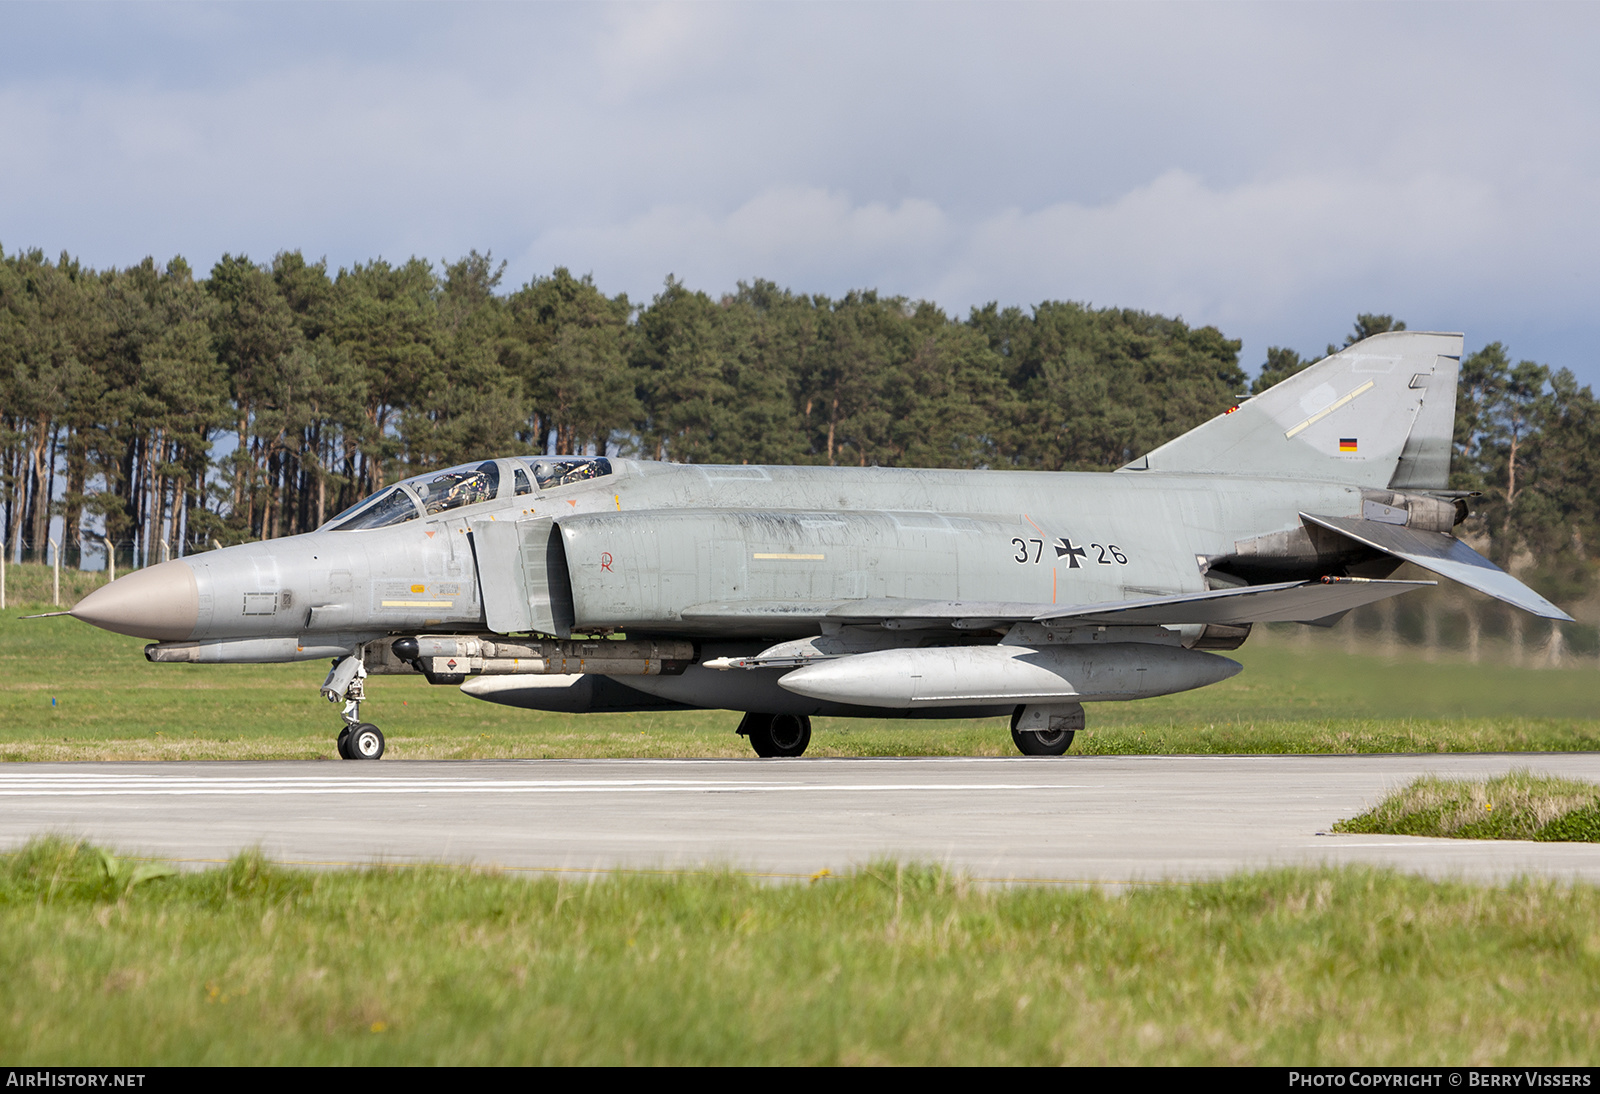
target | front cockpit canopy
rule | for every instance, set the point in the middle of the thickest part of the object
(455, 487)
(468, 484)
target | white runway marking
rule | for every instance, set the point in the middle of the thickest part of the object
(54, 785)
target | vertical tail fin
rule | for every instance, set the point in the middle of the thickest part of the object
(1380, 413)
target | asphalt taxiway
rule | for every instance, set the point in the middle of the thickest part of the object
(1104, 819)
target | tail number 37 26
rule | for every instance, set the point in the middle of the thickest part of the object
(1032, 550)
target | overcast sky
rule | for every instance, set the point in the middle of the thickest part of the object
(1272, 169)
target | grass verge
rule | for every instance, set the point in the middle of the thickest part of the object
(1518, 805)
(108, 963)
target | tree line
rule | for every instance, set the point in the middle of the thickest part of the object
(169, 411)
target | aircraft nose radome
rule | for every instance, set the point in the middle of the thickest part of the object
(160, 602)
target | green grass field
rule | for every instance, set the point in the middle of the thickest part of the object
(256, 964)
(1517, 805)
(69, 691)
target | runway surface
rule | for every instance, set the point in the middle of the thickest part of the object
(1076, 819)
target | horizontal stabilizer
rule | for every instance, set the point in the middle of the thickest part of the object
(1285, 602)
(1444, 555)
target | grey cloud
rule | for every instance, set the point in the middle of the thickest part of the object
(1271, 169)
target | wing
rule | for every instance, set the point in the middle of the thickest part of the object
(1284, 602)
(1289, 601)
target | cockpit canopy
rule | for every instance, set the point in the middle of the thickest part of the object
(468, 484)
(550, 472)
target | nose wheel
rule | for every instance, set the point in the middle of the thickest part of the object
(358, 740)
(362, 741)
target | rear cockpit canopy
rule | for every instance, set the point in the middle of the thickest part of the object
(438, 492)
(550, 472)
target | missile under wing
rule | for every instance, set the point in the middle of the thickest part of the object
(595, 584)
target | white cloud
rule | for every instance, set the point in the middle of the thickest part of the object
(807, 233)
(648, 47)
(1220, 253)
(1250, 256)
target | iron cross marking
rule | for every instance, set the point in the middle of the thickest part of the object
(1067, 549)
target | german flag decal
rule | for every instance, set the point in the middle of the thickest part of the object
(1347, 444)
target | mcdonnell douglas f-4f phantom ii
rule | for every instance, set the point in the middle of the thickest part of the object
(582, 585)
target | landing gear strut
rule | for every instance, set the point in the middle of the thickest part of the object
(776, 734)
(358, 740)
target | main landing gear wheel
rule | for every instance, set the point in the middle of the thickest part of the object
(777, 734)
(1047, 743)
(361, 742)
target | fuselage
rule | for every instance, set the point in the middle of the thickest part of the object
(799, 535)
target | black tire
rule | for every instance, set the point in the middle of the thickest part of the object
(1040, 744)
(343, 744)
(777, 735)
(365, 743)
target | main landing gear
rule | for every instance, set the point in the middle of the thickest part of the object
(776, 734)
(358, 740)
(1045, 731)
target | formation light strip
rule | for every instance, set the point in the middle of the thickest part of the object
(1330, 408)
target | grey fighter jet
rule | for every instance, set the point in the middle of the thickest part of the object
(582, 585)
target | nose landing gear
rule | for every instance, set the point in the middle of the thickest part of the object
(358, 740)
